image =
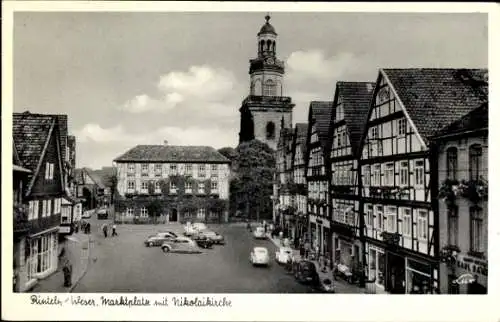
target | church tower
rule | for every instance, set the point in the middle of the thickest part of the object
(265, 110)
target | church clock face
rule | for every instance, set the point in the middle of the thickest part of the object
(269, 61)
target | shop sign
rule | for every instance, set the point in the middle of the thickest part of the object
(465, 279)
(472, 265)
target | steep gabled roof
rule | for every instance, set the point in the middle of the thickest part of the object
(436, 97)
(95, 177)
(105, 174)
(475, 120)
(320, 113)
(355, 97)
(172, 153)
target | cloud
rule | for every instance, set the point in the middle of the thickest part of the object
(200, 88)
(212, 136)
(313, 64)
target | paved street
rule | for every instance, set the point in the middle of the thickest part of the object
(124, 264)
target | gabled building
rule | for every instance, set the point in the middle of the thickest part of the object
(299, 149)
(190, 182)
(90, 188)
(399, 172)
(284, 179)
(38, 148)
(352, 102)
(463, 204)
(318, 176)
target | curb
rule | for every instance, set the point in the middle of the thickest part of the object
(84, 272)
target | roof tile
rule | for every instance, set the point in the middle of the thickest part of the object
(321, 112)
(172, 153)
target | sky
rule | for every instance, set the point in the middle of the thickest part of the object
(128, 78)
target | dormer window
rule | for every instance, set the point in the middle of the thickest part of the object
(49, 171)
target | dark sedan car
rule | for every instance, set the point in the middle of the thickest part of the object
(305, 272)
(202, 241)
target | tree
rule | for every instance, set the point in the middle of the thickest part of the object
(252, 185)
(155, 209)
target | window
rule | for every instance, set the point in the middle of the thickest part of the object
(201, 213)
(189, 187)
(189, 169)
(44, 208)
(214, 171)
(269, 88)
(270, 131)
(131, 185)
(451, 163)
(403, 173)
(173, 187)
(214, 185)
(376, 266)
(144, 170)
(173, 169)
(402, 126)
(144, 186)
(376, 175)
(392, 219)
(476, 230)
(475, 153)
(201, 187)
(422, 225)
(380, 218)
(344, 138)
(144, 212)
(33, 210)
(36, 209)
(452, 226)
(201, 170)
(406, 222)
(374, 132)
(213, 167)
(49, 171)
(339, 140)
(131, 168)
(158, 168)
(366, 175)
(157, 186)
(419, 173)
(369, 215)
(389, 174)
(130, 212)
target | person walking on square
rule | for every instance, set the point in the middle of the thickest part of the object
(67, 270)
(114, 231)
(105, 230)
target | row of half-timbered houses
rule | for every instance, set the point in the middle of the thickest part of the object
(374, 173)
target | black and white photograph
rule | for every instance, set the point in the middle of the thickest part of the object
(264, 151)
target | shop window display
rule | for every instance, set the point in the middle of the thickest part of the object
(376, 266)
(418, 277)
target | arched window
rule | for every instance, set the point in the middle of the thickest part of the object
(475, 168)
(269, 88)
(268, 45)
(270, 131)
(261, 48)
(274, 46)
(451, 163)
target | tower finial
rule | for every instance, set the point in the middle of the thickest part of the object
(267, 17)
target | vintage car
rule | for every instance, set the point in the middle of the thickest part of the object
(283, 255)
(259, 233)
(181, 245)
(202, 240)
(213, 236)
(159, 238)
(190, 229)
(305, 272)
(259, 256)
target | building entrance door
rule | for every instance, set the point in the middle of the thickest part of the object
(396, 273)
(173, 215)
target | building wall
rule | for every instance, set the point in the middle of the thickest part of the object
(53, 186)
(258, 79)
(262, 117)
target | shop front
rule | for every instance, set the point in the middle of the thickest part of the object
(464, 275)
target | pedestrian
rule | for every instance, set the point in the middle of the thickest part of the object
(114, 231)
(67, 270)
(76, 227)
(307, 248)
(105, 230)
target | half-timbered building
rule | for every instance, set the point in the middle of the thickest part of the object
(284, 179)
(399, 190)
(299, 149)
(352, 102)
(317, 176)
(38, 148)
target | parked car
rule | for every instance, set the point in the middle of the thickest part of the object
(213, 236)
(283, 255)
(181, 245)
(259, 233)
(305, 272)
(159, 238)
(190, 229)
(87, 214)
(102, 213)
(259, 256)
(202, 240)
